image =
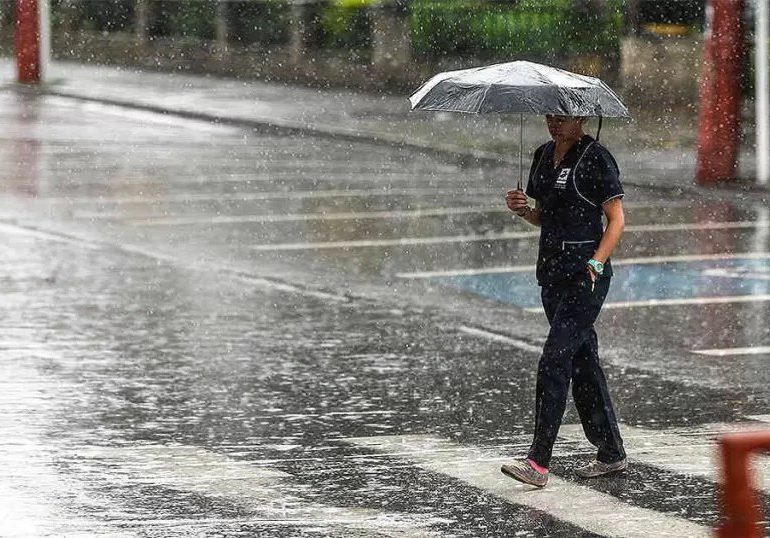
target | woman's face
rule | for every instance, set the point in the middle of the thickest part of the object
(564, 126)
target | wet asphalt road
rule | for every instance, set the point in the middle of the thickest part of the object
(204, 328)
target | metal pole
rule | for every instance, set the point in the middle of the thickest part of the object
(27, 41)
(519, 186)
(220, 27)
(44, 16)
(720, 92)
(762, 92)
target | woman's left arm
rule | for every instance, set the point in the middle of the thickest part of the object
(616, 222)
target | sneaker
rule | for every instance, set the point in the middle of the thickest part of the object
(523, 472)
(597, 468)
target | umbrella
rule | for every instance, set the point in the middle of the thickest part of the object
(519, 88)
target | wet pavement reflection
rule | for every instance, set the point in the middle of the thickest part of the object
(192, 338)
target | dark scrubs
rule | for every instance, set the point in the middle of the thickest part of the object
(570, 198)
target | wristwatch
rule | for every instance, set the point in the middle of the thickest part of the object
(596, 266)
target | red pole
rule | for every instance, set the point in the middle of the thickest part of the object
(720, 92)
(740, 505)
(27, 41)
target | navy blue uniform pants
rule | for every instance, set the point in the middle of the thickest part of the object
(571, 352)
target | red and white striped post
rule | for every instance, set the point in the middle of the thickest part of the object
(720, 92)
(31, 40)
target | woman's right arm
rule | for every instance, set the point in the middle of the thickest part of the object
(532, 215)
(518, 203)
(517, 200)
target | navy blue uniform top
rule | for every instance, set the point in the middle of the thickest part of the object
(570, 197)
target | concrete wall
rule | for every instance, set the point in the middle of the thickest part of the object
(661, 70)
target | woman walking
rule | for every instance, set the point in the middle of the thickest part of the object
(574, 181)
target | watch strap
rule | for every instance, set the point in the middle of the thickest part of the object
(597, 266)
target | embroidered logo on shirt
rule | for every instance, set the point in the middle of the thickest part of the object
(561, 181)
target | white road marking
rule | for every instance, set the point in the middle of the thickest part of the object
(681, 302)
(161, 197)
(145, 116)
(734, 351)
(615, 262)
(251, 279)
(520, 344)
(684, 226)
(678, 302)
(164, 220)
(307, 217)
(46, 236)
(290, 288)
(691, 452)
(267, 491)
(84, 242)
(151, 198)
(347, 414)
(739, 273)
(401, 241)
(578, 505)
(500, 236)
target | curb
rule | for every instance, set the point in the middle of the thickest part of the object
(462, 155)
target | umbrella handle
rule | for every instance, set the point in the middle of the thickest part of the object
(521, 153)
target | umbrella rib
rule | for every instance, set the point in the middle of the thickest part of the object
(483, 98)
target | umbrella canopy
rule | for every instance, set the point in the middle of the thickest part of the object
(520, 88)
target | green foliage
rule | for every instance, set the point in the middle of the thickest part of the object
(538, 29)
(8, 13)
(352, 4)
(533, 29)
(184, 18)
(264, 23)
(346, 25)
(96, 15)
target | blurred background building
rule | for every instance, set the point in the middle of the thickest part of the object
(649, 48)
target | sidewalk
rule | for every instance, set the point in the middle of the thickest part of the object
(653, 151)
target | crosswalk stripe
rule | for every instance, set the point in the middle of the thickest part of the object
(186, 197)
(688, 301)
(691, 452)
(733, 351)
(267, 490)
(578, 505)
(499, 236)
(639, 260)
(520, 344)
(308, 217)
(396, 242)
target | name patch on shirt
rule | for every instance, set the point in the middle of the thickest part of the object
(561, 181)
